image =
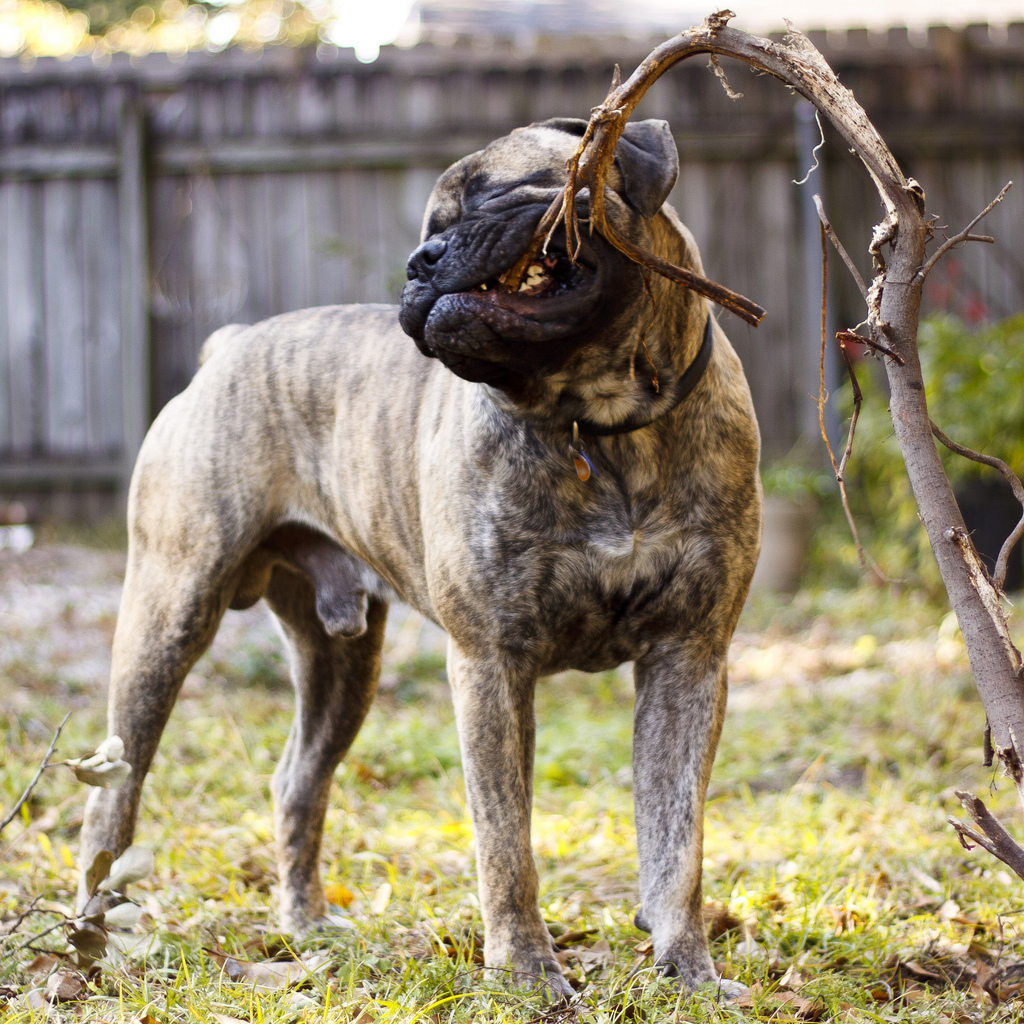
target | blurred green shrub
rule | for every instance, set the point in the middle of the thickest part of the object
(974, 382)
(796, 481)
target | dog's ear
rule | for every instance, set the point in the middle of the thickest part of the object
(649, 162)
(571, 125)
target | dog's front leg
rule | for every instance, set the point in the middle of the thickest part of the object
(680, 702)
(494, 710)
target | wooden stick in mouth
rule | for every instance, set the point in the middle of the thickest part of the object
(589, 166)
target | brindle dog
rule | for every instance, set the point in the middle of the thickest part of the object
(322, 462)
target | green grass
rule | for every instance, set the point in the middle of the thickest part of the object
(827, 855)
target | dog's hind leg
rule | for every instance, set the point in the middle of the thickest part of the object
(168, 617)
(335, 681)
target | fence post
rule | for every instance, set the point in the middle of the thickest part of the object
(135, 350)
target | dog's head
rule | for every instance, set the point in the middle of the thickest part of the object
(481, 217)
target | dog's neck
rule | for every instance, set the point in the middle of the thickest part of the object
(662, 398)
(619, 387)
(641, 379)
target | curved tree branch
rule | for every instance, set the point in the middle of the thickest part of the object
(893, 299)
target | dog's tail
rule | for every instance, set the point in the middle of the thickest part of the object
(218, 338)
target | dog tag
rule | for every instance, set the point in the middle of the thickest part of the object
(584, 467)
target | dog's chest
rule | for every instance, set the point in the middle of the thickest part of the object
(590, 580)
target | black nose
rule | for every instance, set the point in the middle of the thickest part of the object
(423, 259)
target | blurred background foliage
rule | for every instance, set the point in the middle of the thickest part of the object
(975, 389)
(34, 28)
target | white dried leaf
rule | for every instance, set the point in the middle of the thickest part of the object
(124, 916)
(63, 986)
(381, 898)
(126, 944)
(133, 865)
(598, 955)
(112, 748)
(337, 921)
(107, 774)
(34, 999)
(104, 768)
(273, 974)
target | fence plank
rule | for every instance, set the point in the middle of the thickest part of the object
(58, 161)
(25, 317)
(134, 246)
(102, 302)
(63, 330)
(287, 179)
(291, 249)
(326, 253)
(5, 363)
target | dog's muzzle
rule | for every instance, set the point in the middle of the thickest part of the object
(456, 311)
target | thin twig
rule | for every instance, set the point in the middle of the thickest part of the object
(839, 468)
(999, 573)
(39, 774)
(992, 837)
(814, 152)
(46, 931)
(964, 236)
(720, 75)
(840, 248)
(30, 909)
(859, 339)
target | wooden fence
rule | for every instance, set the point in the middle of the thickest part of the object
(144, 204)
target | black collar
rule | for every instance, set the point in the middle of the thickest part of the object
(664, 403)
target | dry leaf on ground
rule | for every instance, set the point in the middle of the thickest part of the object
(64, 986)
(270, 973)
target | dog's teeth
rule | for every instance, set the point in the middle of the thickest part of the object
(483, 287)
(535, 275)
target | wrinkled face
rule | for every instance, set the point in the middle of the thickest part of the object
(481, 217)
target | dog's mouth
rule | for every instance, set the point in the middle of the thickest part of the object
(483, 332)
(551, 276)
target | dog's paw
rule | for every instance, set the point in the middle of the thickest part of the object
(541, 973)
(693, 969)
(552, 984)
(333, 919)
(724, 990)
